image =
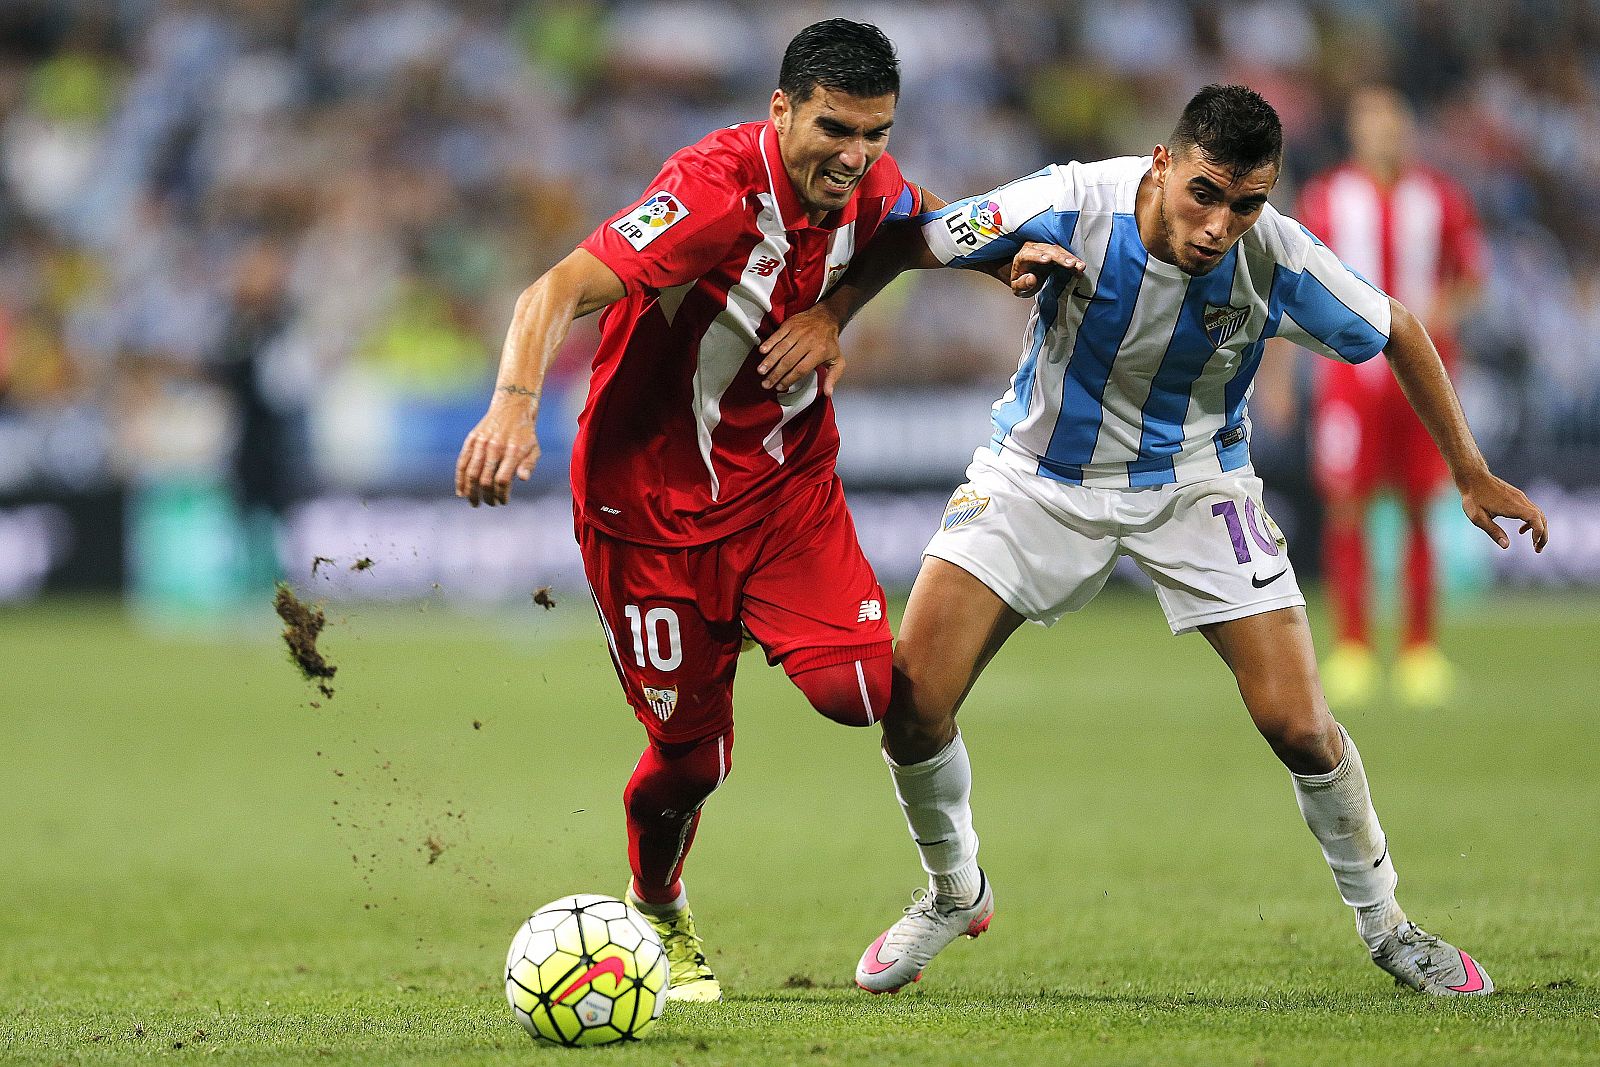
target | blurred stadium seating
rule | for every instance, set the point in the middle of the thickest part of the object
(257, 256)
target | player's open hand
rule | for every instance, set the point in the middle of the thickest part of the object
(503, 444)
(803, 343)
(1035, 261)
(1489, 498)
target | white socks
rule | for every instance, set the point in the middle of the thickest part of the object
(659, 911)
(1338, 808)
(935, 794)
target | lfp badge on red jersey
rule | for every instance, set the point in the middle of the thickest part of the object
(659, 213)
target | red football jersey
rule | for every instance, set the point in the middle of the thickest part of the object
(1409, 239)
(678, 443)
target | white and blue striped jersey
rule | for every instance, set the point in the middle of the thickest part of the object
(1135, 373)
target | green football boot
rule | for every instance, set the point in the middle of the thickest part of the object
(692, 979)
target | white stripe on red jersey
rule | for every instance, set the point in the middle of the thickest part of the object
(679, 444)
(1411, 238)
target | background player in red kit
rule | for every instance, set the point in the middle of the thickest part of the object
(1412, 231)
(707, 505)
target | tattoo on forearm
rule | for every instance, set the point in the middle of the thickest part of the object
(519, 390)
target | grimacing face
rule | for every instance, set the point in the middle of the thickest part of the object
(828, 142)
(1204, 208)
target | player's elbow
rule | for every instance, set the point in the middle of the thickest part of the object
(578, 285)
(1402, 324)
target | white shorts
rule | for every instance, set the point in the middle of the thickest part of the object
(1046, 548)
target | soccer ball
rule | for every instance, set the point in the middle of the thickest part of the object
(586, 970)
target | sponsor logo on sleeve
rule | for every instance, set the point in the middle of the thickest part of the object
(659, 213)
(975, 225)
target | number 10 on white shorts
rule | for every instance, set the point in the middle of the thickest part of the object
(1047, 547)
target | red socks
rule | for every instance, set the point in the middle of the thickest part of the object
(663, 800)
(1344, 553)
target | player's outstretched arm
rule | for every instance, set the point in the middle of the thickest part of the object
(1422, 378)
(504, 443)
(809, 340)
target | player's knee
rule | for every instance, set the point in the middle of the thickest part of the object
(1305, 744)
(678, 777)
(926, 693)
(853, 693)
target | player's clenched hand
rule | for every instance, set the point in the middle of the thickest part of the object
(1034, 262)
(800, 345)
(1489, 498)
(501, 445)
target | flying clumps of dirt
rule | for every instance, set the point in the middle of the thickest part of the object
(542, 597)
(302, 623)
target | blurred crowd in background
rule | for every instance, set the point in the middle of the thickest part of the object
(244, 233)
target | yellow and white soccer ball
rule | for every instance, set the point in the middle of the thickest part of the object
(586, 970)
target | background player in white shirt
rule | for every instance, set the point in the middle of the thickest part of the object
(1159, 280)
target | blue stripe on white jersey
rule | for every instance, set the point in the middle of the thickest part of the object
(1186, 356)
(1104, 327)
(1137, 374)
(1014, 405)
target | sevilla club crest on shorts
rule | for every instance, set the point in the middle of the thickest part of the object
(963, 508)
(1221, 323)
(662, 701)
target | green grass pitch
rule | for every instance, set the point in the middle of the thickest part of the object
(200, 866)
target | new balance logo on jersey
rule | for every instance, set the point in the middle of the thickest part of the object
(662, 701)
(765, 266)
(871, 611)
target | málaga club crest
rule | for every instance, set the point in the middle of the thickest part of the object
(1223, 322)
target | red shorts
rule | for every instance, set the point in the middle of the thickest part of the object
(796, 580)
(1367, 436)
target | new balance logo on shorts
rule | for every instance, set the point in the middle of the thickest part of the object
(662, 701)
(871, 611)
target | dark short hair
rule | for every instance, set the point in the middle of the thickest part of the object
(1233, 125)
(847, 57)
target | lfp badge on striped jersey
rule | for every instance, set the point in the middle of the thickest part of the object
(1223, 322)
(963, 508)
(985, 218)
